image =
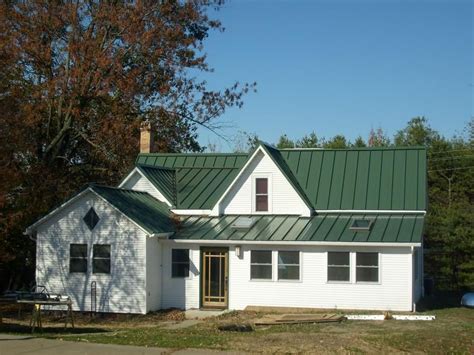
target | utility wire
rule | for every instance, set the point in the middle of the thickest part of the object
(453, 150)
(464, 168)
(456, 157)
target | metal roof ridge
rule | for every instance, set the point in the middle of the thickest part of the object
(418, 147)
(191, 154)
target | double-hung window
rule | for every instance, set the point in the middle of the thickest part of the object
(288, 265)
(180, 263)
(261, 195)
(261, 265)
(339, 266)
(78, 258)
(367, 267)
(101, 259)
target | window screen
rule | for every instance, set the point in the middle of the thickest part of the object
(261, 264)
(367, 267)
(78, 258)
(261, 195)
(180, 262)
(339, 266)
(288, 265)
(101, 259)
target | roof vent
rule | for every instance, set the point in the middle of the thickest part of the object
(361, 224)
(243, 223)
(91, 219)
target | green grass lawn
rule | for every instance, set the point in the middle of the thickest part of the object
(451, 332)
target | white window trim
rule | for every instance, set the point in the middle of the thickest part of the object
(267, 176)
(300, 259)
(350, 267)
(88, 261)
(271, 265)
(189, 277)
(101, 274)
(379, 281)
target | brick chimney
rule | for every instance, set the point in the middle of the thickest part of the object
(146, 137)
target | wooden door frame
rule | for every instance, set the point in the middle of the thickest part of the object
(201, 278)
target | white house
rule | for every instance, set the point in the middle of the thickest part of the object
(319, 228)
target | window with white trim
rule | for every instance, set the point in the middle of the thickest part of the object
(261, 194)
(367, 267)
(101, 259)
(339, 266)
(288, 265)
(261, 265)
(78, 258)
(180, 263)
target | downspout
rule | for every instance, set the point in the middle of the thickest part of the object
(412, 289)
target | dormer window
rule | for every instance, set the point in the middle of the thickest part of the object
(261, 195)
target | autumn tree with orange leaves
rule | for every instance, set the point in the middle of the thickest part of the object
(76, 80)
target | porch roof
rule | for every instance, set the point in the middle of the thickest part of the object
(385, 228)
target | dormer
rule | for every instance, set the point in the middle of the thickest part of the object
(264, 186)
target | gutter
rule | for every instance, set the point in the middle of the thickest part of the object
(290, 243)
(161, 236)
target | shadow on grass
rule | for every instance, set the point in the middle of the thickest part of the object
(25, 329)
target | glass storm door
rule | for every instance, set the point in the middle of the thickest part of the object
(214, 277)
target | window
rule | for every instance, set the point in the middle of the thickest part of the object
(78, 258)
(361, 224)
(367, 267)
(261, 195)
(101, 259)
(261, 264)
(288, 265)
(91, 219)
(179, 262)
(339, 268)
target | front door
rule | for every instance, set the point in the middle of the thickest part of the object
(214, 267)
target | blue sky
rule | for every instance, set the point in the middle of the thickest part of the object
(343, 67)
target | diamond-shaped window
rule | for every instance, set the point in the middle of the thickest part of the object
(91, 219)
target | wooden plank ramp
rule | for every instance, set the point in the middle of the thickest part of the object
(275, 319)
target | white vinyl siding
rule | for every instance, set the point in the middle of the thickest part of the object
(153, 273)
(393, 292)
(138, 182)
(282, 199)
(312, 290)
(180, 292)
(121, 291)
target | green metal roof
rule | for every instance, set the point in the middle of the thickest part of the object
(326, 179)
(361, 179)
(193, 160)
(275, 155)
(164, 179)
(201, 188)
(386, 228)
(200, 179)
(149, 213)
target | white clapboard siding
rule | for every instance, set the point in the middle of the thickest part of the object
(153, 274)
(138, 182)
(121, 291)
(393, 292)
(180, 292)
(283, 199)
